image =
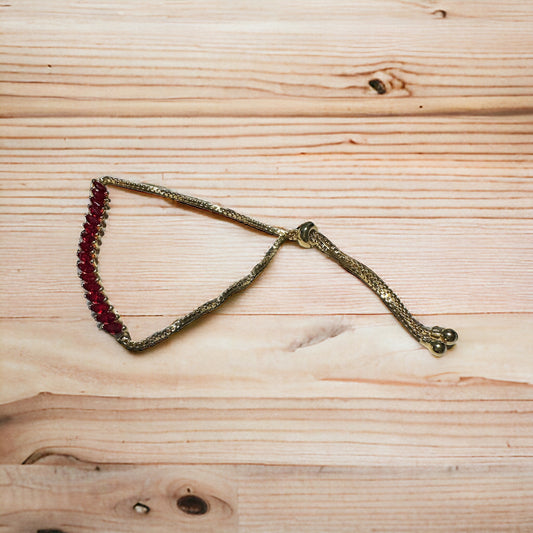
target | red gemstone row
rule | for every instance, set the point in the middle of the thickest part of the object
(103, 312)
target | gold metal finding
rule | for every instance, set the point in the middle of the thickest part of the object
(303, 234)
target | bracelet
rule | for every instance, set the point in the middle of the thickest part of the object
(436, 339)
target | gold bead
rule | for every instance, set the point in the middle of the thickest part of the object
(438, 348)
(450, 336)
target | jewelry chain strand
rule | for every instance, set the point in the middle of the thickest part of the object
(436, 339)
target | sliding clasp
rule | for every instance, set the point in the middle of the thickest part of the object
(304, 232)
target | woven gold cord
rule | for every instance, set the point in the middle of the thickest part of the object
(436, 339)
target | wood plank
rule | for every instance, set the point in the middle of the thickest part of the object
(308, 141)
(298, 50)
(439, 426)
(233, 355)
(39, 106)
(245, 498)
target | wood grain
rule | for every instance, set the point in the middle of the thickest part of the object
(302, 431)
(233, 355)
(44, 107)
(110, 497)
(404, 130)
(250, 498)
(180, 51)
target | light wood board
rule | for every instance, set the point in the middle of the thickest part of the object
(404, 130)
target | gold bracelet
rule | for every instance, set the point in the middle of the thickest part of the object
(436, 339)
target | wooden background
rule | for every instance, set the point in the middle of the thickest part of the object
(403, 129)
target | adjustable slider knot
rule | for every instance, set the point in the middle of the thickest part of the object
(303, 234)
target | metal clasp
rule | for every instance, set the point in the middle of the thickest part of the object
(304, 232)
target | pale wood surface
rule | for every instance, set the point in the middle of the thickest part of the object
(302, 405)
(347, 499)
(476, 426)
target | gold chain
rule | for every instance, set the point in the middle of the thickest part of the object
(436, 339)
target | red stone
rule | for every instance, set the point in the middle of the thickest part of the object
(86, 267)
(99, 190)
(87, 246)
(88, 276)
(97, 186)
(98, 193)
(92, 220)
(88, 238)
(96, 297)
(114, 328)
(90, 229)
(91, 286)
(106, 318)
(85, 257)
(100, 307)
(96, 210)
(98, 199)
